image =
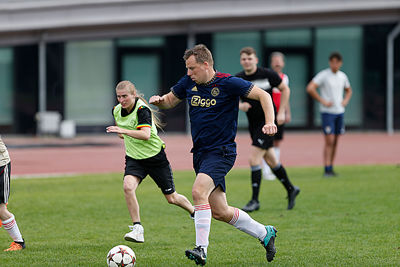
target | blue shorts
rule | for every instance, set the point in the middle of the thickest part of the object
(216, 163)
(332, 123)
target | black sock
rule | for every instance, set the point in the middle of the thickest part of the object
(136, 223)
(281, 174)
(255, 183)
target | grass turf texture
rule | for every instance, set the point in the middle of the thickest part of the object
(351, 220)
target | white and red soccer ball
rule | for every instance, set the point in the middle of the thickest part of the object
(121, 256)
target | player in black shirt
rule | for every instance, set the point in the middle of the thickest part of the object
(262, 145)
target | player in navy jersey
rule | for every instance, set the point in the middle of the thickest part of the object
(262, 145)
(213, 99)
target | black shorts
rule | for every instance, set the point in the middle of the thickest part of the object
(5, 174)
(279, 133)
(157, 167)
(259, 139)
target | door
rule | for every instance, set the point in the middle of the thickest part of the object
(142, 68)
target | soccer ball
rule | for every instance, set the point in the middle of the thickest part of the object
(121, 256)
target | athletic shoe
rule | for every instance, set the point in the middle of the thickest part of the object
(16, 246)
(192, 216)
(197, 254)
(136, 234)
(251, 206)
(292, 196)
(330, 174)
(269, 242)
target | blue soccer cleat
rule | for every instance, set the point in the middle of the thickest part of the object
(269, 242)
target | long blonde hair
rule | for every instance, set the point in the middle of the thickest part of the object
(132, 89)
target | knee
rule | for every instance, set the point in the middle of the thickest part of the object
(198, 195)
(128, 188)
(219, 215)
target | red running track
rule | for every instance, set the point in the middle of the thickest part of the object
(105, 153)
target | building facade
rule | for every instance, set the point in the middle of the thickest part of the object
(67, 56)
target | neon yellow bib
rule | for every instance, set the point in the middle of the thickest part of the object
(136, 148)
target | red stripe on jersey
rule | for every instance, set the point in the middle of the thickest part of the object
(222, 75)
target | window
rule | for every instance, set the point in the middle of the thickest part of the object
(6, 86)
(89, 88)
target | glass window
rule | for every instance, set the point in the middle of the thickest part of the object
(226, 48)
(89, 84)
(136, 68)
(141, 42)
(288, 38)
(348, 42)
(296, 69)
(6, 86)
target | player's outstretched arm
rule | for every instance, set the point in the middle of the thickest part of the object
(166, 101)
(266, 102)
(142, 134)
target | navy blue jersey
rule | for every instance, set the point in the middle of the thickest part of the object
(213, 108)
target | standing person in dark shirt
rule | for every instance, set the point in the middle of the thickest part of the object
(213, 99)
(262, 145)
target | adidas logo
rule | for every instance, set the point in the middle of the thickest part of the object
(194, 89)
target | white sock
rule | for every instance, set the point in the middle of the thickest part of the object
(12, 228)
(242, 221)
(278, 153)
(202, 222)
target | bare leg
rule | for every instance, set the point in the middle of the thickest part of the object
(4, 213)
(329, 149)
(130, 185)
(180, 200)
(334, 146)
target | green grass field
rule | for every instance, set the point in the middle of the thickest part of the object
(351, 220)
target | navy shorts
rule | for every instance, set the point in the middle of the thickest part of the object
(157, 167)
(332, 123)
(216, 163)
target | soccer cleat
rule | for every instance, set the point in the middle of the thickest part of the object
(136, 234)
(192, 216)
(15, 246)
(330, 174)
(269, 242)
(197, 254)
(251, 206)
(292, 196)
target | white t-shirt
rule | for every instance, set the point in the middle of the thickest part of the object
(331, 87)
